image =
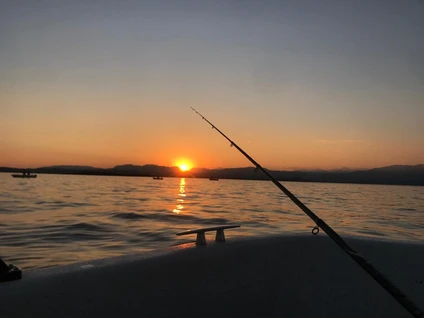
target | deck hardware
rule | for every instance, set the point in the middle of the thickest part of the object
(201, 239)
(315, 230)
(9, 272)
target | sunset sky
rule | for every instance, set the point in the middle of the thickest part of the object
(296, 83)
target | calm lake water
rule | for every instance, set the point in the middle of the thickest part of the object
(60, 219)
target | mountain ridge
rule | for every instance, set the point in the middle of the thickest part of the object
(394, 174)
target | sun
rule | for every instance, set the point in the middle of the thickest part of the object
(183, 165)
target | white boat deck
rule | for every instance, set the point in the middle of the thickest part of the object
(278, 276)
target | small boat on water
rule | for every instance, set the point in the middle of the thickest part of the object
(214, 179)
(24, 174)
(158, 178)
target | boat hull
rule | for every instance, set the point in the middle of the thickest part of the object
(23, 176)
(283, 276)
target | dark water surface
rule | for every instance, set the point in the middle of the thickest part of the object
(60, 219)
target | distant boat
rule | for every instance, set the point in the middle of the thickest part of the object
(214, 179)
(24, 175)
(158, 178)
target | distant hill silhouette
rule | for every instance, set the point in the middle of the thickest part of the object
(396, 174)
(70, 167)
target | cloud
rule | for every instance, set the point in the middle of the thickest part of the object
(338, 141)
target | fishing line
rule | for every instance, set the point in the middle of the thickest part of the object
(399, 296)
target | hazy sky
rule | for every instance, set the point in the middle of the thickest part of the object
(297, 84)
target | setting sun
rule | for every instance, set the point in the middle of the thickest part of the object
(183, 164)
(184, 167)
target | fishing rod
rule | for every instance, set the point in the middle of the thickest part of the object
(399, 296)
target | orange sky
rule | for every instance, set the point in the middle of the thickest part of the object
(294, 87)
(183, 135)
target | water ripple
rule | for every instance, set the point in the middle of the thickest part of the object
(56, 220)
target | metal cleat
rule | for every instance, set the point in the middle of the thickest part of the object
(201, 239)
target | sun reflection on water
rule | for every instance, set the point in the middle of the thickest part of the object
(180, 200)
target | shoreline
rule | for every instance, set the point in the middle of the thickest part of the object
(188, 176)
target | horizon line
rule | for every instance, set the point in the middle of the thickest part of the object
(219, 168)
